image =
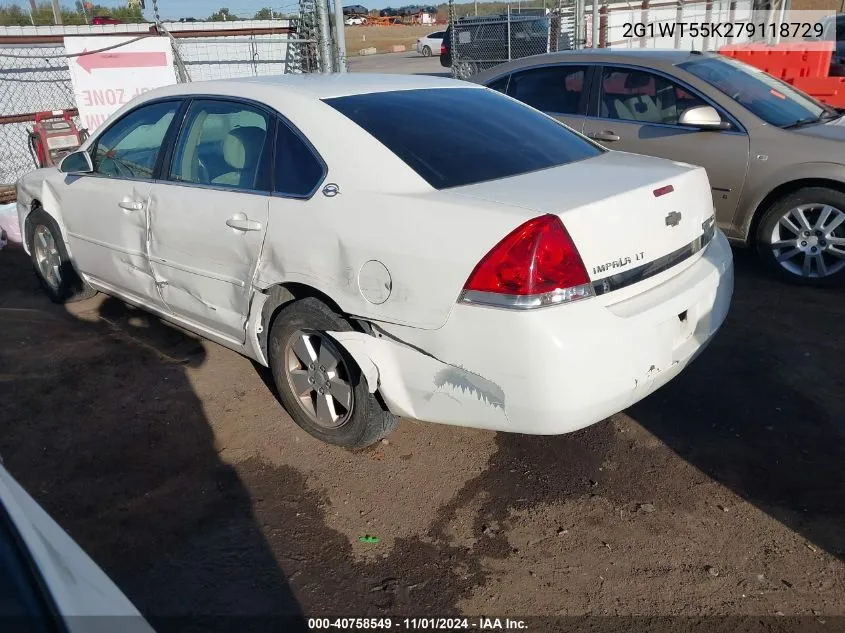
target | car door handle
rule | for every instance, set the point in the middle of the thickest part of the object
(130, 205)
(607, 135)
(240, 222)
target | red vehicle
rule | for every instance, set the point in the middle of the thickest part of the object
(106, 19)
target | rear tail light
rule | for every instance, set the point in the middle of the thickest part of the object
(535, 265)
(442, 49)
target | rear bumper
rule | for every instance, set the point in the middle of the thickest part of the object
(553, 370)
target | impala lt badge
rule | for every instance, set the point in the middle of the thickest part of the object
(673, 219)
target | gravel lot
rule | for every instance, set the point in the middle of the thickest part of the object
(171, 463)
(405, 63)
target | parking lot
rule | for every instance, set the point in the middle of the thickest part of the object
(169, 460)
(409, 62)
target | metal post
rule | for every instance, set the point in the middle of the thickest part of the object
(781, 18)
(340, 35)
(57, 12)
(595, 23)
(509, 32)
(679, 17)
(644, 20)
(603, 21)
(324, 40)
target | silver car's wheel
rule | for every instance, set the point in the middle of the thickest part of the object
(426, 51)
(319, 384)
(808, 240)
(319, 378)
(48, 260)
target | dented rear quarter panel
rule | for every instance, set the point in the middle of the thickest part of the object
(428, 242)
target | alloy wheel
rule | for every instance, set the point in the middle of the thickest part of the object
(319, 379)
(809, 240)
(47, 256)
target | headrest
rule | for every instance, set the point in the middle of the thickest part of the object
(637, 80)
(242, 146)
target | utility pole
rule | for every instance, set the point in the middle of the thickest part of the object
(595, 24)
(57, 12)
(325, 36)
(340, 36)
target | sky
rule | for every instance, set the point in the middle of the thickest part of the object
(175, 9)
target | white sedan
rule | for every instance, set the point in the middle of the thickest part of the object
(429, 45)
(490, 268)
(48, 583)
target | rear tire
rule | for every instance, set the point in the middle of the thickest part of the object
(464, 70)
(801, 237)
(51, 261)
(426, 51)
(319, 384)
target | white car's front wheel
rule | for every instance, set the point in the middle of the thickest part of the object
(51, 260)
(319, 384)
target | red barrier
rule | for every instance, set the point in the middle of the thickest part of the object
(829, 90)
(790, 60)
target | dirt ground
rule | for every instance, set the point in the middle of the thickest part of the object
(382, 37)
(170, 461)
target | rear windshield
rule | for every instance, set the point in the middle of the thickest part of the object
(459, 136)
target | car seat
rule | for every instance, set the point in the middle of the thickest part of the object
(636, 106)
(242, 149)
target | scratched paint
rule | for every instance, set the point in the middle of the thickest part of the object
(485, 390)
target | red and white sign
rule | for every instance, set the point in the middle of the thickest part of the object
(105, 80)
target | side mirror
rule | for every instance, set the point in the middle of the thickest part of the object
(703, 117)
(77, 163)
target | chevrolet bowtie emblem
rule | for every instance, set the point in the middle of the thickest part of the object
(673, 219)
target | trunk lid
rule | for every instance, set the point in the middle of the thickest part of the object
(623, 211)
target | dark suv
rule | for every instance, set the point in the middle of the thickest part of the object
(483, 42)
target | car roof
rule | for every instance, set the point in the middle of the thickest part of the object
(651, 57)
(315, 86)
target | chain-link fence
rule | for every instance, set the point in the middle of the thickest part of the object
(480, 42)
(34, 77)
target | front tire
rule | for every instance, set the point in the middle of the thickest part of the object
(319, 384)
(51, 261)
(426, 51)
(801, 237)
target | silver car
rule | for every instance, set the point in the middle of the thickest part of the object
(775, 156)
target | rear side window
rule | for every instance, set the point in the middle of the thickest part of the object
(555, 89)
(222, 143)
(297, 171)
(500, 85)
(459, 136)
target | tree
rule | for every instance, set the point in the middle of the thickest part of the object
(14, 15)
(264, 14)
(223, 15)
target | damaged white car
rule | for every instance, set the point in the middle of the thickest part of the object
(392, 246)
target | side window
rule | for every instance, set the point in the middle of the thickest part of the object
(492, 33)
(297, 170)
(130, 147)
(500, 85)
(643, 97)
(555, 89)
(223, 143)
